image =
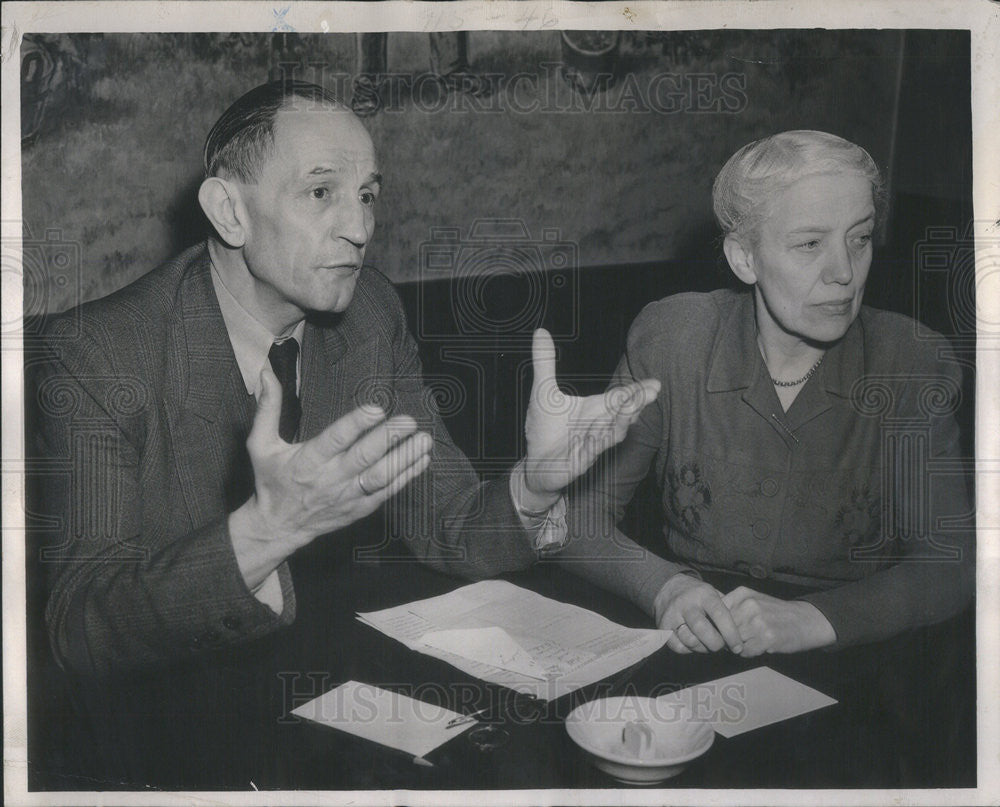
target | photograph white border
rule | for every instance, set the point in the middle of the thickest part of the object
(980, 17)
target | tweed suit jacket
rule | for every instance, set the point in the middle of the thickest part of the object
(144, 408)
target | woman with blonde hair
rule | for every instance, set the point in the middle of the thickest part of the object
(795, 432)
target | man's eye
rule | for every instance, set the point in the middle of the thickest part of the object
(863, 240)
(367, 198)
(319, 193)
(809, 246)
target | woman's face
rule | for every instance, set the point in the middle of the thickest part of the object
(812, 256)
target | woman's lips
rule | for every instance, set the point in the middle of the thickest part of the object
(836, 307)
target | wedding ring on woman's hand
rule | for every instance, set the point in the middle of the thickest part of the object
(682, 625)
(361, 485)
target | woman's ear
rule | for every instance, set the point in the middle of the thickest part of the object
(740, 259)
(220, 201)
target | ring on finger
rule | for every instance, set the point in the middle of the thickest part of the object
(361, 484)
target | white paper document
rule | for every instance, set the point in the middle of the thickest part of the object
(748, 700)
(385, 717)
(508, 635)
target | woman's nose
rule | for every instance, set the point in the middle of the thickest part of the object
(840, 268)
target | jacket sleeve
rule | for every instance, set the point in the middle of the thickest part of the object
(448, 518)
(926, 553)
(123, 593)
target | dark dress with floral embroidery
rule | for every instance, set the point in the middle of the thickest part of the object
(857, 493)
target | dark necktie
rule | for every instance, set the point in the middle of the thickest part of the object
(283, 357)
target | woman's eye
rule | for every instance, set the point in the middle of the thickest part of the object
(863, 240)
(809, 246)
(320, 193)
(367, 198)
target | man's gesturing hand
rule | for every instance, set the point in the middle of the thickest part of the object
(697, 614)
(303, 490)
(565, 434)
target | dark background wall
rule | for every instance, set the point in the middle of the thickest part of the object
(114, 162)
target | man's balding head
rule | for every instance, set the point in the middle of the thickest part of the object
(243, 137)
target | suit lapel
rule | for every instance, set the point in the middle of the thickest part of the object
(322, 388)
(209, 411)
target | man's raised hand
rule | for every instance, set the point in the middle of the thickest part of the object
(565, 433)
(303, 490)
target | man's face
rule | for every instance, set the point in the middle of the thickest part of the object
(310, 214)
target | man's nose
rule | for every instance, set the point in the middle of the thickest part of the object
(355, 223)
(840, 266)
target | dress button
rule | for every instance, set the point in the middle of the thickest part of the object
(231, 622)
(758, 571)
(761, 530)
(769, 487)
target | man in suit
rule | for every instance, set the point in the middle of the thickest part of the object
(197, 473)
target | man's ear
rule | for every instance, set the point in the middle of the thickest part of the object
(221, 203)
(740, 259)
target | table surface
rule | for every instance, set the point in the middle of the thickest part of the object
(905, 714)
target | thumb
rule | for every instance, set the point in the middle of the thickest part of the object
(543, 358)
(733, 598)
(268, 414)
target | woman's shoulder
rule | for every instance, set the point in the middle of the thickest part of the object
(896, 341)
(689, 315)
(688, 310)
(674, 337)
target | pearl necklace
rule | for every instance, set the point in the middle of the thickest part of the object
(802, 380)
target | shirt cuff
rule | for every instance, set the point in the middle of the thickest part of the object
(548, 526)
(269, 593)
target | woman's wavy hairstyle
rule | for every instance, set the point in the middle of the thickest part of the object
(756, 173)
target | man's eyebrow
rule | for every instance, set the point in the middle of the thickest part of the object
(321, 170)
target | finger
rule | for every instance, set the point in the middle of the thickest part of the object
(690, 639)
(738, 595)
(677, 645)
(543, 358)
(374, 445)
(340, 434)
(724, 623)
(752, 648)
(627, 401)
(400, 481)
(265, 420)
(396, 462)
(745, 615)
(705, 632)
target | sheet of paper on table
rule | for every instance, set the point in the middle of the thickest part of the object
(748, 700)
(508, 635)
(385, 717)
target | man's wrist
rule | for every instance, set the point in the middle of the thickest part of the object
(527, 502)
(547, 524)
(257, 554)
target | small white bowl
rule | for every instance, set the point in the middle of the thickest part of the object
(597, 726)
